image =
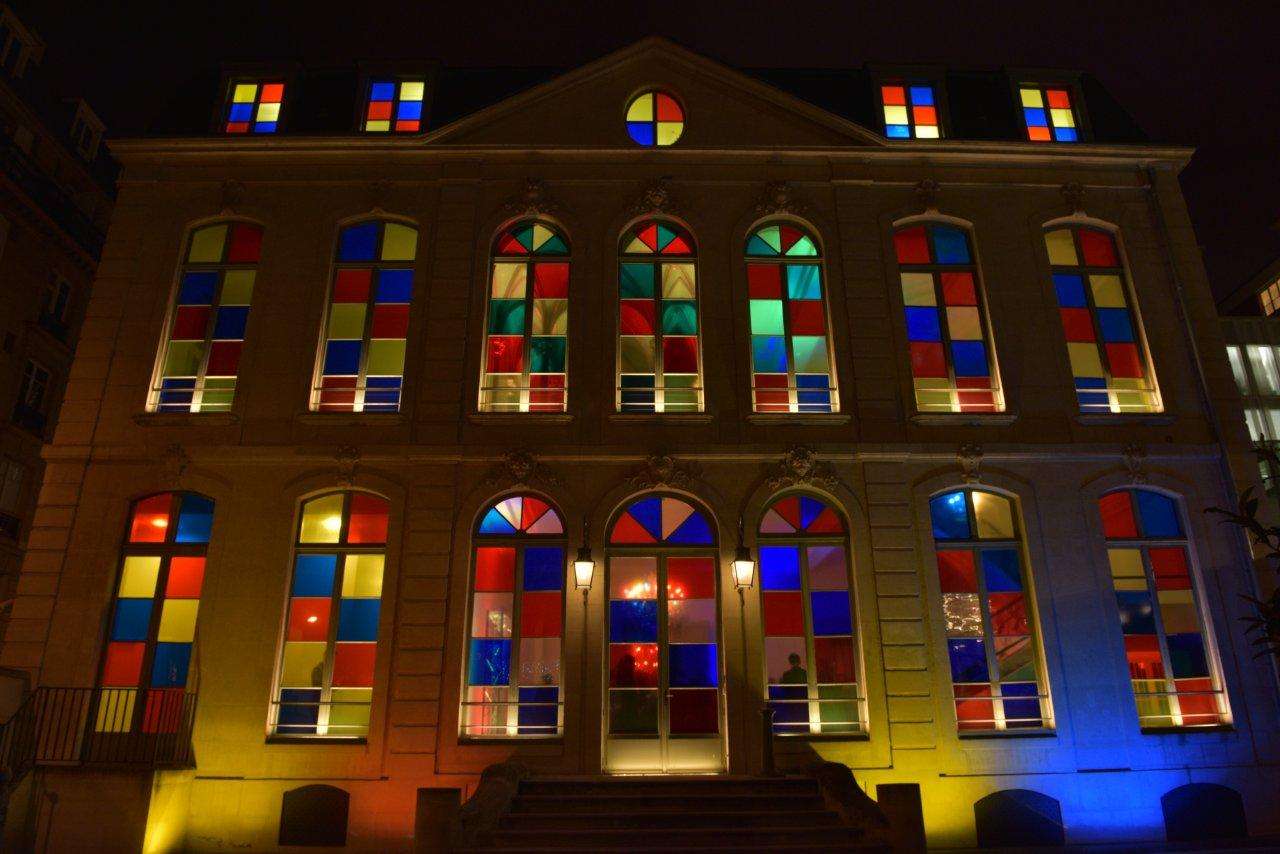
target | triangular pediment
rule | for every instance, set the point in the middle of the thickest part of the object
(587, 108)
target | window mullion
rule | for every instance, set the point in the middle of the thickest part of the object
(526, 391)
(513, 659)
(659, 362)
(811, 653)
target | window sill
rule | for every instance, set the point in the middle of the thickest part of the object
(782, 740)
(967, 419)
(1008, 733)
(672, 417)
(1187, 730)
(1153, 419)
(316, 739)
(806, 418)
(464, 741)
(185, 419)
(519, 417)
(352, 419)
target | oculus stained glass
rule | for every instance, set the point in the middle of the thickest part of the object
(655, 118)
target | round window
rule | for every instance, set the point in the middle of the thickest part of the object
(654, 118)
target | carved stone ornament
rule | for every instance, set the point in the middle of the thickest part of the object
(970, 459)
(655, 198)
(1134, 460)
(520, 468)
(232, 193)
(532, 200)
(779, 197)
(347, 457)
(927, 194)
(175, 461)
(800, 465)
(663, 470)
(1073, 193)
(378, 191)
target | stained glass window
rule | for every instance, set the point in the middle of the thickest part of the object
(659, 360)
(253, 106)
(1171, 665)
(810, 646)
(394, 106)
(200, 358)
(791, 351)
(1049, 114)
(910, 110)
(1269, 299)
(362, 361)
(655, 118)
(953, 364)
(526, 332)
(517, 622)
(1108, 356)
(992, 640)
(153, 618)
(325, 681)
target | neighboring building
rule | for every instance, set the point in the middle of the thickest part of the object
(55, 201)
(376, 355)
(1251, 326)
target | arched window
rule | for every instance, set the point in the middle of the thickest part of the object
(200, 358)
(361, 363)
(517, 622)
(992, 638)
(1172, 667)
(325, 681)
(153, 621)
(953, 359)
(810, 651)
(526, 334)
(659, 361)
(1105, 344)
(790, 334)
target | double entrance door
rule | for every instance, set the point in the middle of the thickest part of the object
(664, 701)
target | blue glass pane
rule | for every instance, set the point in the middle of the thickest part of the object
(950, 516)
(769, 354)
(693, 532)
(1158, 514)
(230, 323)
(1000, 568)
(1115, 325)
(648, 512)
(313, 575)
(342, 357)
(1137, 617)
(544, 568)
(1021, 712)
(1186, 656)
(358, 620)
(169, 667)
(195, 519)
(923, 325)
(968, 659)
(779, 568)
(831, 613)
(299, 711)
(1070, 290)
(490, 662)
(950, 245)
(633, 621)
(1065, 134)
(693, 665)
(757, 247)
(394, 286)
(1035, 117)
(409, 110)
(542, 718)
(893, 132)
(922, 96)
(1093, 400)
(495, 523)
(814, 381)
(264, 127)
(197, 288)
(641, 132)
(240, 112)
(1091, 382)
(969, 358)
(803, 281)
(809, 510)
(790, 716)
(384, 90)
(132, 620)
(359, 242)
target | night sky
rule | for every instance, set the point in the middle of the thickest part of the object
(1205, 75)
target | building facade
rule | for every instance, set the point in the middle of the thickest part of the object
(577, 429)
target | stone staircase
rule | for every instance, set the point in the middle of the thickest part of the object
(664, 814)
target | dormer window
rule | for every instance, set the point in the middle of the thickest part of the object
(18, 45)
(1269, 299)
(86, 132)
(394, 106)
(253, 106)
(910, 110)
(1049, 112)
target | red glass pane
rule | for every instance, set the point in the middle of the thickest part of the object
(958, 289)
(224, 358)
(506, 354)
(1077, 324)
(550, 280)
(928, 359)
(379, 110)
(691, 578)
(695, 712)
(272, 93)
(972, 713)
(237, 127)
(337, 392)
(1008, 615)
(633, 665)
(246, 244)
(680, 355)
(925, 115)
(308, 619)
(1098, 248)
(764, 281)
(1124, 361)
(911, 245)
(540, 614)
(353, 665)
(186, 577)
(162, 711)
(826, 522)
(508, 245)
(636, 317)
(1117, 516)
(123, 666)
(893, 95)
(1038, 134)
(390, 321)
(1058, 99)
(834, 659)
(808, 317)
(151, 519)
(1197, 701)
(1170, 567)
(1143, 653)
(407, 125)
(668, 109)
(352, 286)
(789, 509)
(369, 518)
(190, 322)
(783, 614)
(956, 571)
(495, 569)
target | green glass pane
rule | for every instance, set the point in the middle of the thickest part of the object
(679, 317)
(681, 380)
(386, 357)
(349, 711)
(810, 352)
(772, 237)
(237, 287)
(506, 316)
(206, 245)
(183, 358)
(546, 356)
(636, 280)
(803, 246)
(399, 242)
(838, 709)
(758, 248)
(346, 320)
(766, 317)
(553, 246)
(635, 354)
(218, 394)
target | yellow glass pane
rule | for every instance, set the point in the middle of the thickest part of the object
(1126, 563)
(183, 358)
(508, 281)
(206, 244)
(1152, 700)
(636, 354)
(349, 711)
(377, 126)
(138, 578)
(346, 320)
(641, 109)
(1062, 249)
(895, 115)
(268, 112)
(1084, 360)
(218, 394)
(302, 665)
(399, 242)
(362, 577)
(115, 710)
(917, 289)
(412, 90)
(669, 132)
(1062, 118)
(321, 520)
(678, 281)
(237, 287)
(994, 515)
(1108, 292)
(541, 234)
(386, 357)
(245, 93)
(178, 621)
(1031, 98)
(550, 316)
(963, 323)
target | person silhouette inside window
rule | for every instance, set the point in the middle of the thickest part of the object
(795, 675)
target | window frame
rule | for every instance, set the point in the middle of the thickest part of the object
(258, 78)
(907, 79)
(1041, 80)
(34, 374)
(398, 77)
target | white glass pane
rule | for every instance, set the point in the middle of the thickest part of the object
(1237, 368)
(1263, 362)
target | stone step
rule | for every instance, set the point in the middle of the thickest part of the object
(638, 803)
(696, 787)
(659, 821)
(629, 839)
